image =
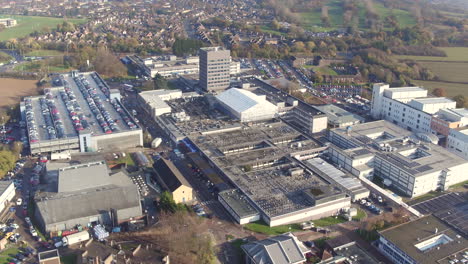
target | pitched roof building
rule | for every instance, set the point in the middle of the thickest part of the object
(285, 249)
(173, 181)
(86, 193)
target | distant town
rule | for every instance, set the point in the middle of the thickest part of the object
(240, 131)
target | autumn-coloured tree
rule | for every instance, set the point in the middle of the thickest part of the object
(439, 92)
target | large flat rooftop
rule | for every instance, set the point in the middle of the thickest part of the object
(195, 114)
(396, 145)
(258, 160)
(427, 240)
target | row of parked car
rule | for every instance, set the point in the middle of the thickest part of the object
(33, 134)
(101, 84)
(123, 114)
(96, 105)
(51, 119)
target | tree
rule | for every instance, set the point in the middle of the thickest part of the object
(462, 101)
(108, 64)
(167, 203)
(160, 83)
(299, 46)
(439, 92)
(275, 25)
(182, 47)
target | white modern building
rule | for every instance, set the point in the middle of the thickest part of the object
(395, 155)
(8, 22)
(457, 141)
(407, 107)
(7, 192)
(246, 106)
(154, 101)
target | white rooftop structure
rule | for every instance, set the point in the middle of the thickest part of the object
(154, 101)
(246, 105)
(349, 183)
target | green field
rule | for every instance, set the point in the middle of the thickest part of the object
(267, 29)
(448, 71)
(36, 66)
(44, 53)
(453, 54)
(312, 20)
(451, 88)
(29, 24)
(324, 70)
(451, 70)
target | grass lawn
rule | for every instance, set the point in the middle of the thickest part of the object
(44, 53)
(458, 185)
(36, 66)
(262, 227)
(328, 221)
(403, 17)
(5, 57)
(424, 197)
(127, 160)
(5, 254)
(312, 20)
(29, 24)
(68, 259)
(361, 214)
(451, 88)
(324, 70)
(267, 29)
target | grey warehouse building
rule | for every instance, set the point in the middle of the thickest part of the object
(88, 193)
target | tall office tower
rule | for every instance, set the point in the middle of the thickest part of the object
(214, 68)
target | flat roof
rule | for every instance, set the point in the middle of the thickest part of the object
(406, 236)
(345, 180)
(280, 95)
(280, 184)
(241, 100)
(238, 203)
(356, 254)
(54, 253)
(433, 100)
(407, 89)
(440, 203)
(371, 139)
(338, 115)
(4, 186)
